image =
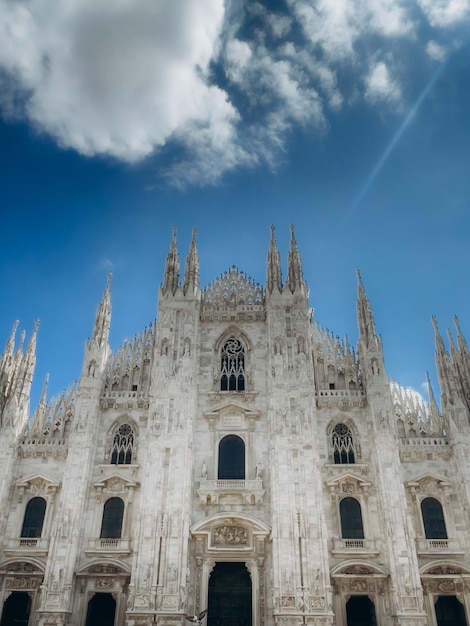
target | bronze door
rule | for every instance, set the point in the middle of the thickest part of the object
(229, 595)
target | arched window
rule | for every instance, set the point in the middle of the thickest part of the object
(231, 458)
(232, 366)
(343, 444)
(113, 514)
(351, 519)
(123, 443)
(34, 518)
(433, 519)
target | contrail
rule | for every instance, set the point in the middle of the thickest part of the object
(395, 140)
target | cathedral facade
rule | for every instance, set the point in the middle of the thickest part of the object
(235, 457)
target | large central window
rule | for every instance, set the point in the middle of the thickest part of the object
(231, 458)
(232, 366)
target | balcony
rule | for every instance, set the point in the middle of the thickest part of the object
(433, 547)
(345, 398)
(363, 547)
(34, 546)
(109, 546)
(238, 491)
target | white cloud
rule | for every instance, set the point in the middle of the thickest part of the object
(129, 77)
(114, 78)
(436, 51)
(442, 13)
(380, 86)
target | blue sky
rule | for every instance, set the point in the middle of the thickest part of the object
(347, 118)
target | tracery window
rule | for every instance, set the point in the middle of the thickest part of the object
(232, 366)
(123, 444)
(433, 519)
(34, 518)
(231, 458)
(351, 519)
(113, 513)
(343, 445)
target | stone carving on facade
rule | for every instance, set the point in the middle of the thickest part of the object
(229, 535)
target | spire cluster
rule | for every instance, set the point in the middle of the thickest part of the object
(172, 267)
(295, 281)
(16, 372)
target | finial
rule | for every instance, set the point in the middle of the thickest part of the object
(108, 283)
(174, 233)
(194, 231)
(273, 228)
(434, 323)
(292, 230)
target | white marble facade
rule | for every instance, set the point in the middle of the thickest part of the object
(236, 430)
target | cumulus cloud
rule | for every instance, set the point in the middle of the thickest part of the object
(436, 51)
(224, 83)
(442, 13)
(380, 85)
(115, 78)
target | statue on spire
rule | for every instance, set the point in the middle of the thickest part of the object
(274, 277)
(172, 268)
(295, 279)
(191, 273)
(103, 317)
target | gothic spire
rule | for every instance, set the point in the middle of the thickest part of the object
(295, 279)
(172, 267)
(444, 367)
(274, 278)
(103, 317)
(40, 411)
(10, 345)
(460, 338)
(365, 317)
(435, 416)
(191, 273)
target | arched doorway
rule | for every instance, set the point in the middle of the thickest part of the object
(230, 594)
(101, 610)
(16, 609)
(360, 611)
(450, 612)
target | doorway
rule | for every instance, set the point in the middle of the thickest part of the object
(230, 594)
(16, 609)
(101, 610)
(450, 612)
(360, 611)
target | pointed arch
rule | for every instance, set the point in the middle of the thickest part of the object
(233, 349)
(122, 442)
(344, 444)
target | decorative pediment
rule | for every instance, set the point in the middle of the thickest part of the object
(348, 484)
(233, 295)
(208, 524)
(357, 568)
(237, 532)
(232, 416)
(37, 485)
(429, 484)
(114, 485)
(445, 569)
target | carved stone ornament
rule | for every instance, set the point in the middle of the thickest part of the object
(358, 585)
(21, 582)
(445, 569)
(230, 535)
(357, 570)
(22, 567)
(446, 586)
